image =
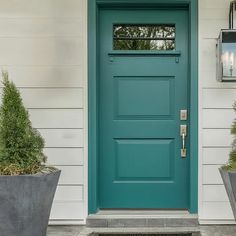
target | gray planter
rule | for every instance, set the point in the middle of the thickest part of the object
(25, 203)
(229, 179)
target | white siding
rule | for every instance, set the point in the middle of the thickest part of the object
(215, 115)
(43, 46)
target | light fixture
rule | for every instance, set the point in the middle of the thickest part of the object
(226, 50)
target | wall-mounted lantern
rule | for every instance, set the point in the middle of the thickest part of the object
(226, 50)
(226, 56)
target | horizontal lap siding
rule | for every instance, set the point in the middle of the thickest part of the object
(215, 155)
(216, 137)
(216, 115)
(217, 118)
(43, 9)
(43, 46)
(56, 76)
(57, 118)
(40, 51)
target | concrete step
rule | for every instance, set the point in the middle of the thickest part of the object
(134, 218)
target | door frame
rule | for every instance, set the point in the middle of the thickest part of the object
(93, 10)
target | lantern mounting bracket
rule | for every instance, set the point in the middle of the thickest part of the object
(232, 8)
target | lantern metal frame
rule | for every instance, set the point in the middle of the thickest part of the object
(225, 34)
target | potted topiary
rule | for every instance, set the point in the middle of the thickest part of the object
(27, 185)
(228, 171)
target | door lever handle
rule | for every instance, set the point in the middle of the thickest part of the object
(183, 140)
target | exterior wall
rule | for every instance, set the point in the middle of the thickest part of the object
(215, 115)
(43, 45)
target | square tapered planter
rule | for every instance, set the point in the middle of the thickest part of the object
(25, 203)
(229, 179)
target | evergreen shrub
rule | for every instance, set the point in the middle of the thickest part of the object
(231, 165)
(21, 146)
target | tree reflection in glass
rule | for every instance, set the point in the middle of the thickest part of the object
(144, 37)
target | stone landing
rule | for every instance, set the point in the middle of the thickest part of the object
(133, 218)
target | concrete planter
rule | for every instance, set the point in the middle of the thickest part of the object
(229, 179)
(25, 203)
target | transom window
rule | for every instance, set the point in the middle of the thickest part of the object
(144, 37)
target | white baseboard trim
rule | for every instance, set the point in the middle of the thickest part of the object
(67, 222)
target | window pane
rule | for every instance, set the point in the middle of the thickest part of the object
(144, 44)
(144, 37)
(139, 31)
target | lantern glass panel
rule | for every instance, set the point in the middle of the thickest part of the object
(229, 59)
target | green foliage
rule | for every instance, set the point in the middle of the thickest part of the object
(231, 165)
(21, 146)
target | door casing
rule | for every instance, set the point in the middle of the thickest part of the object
(93, 145)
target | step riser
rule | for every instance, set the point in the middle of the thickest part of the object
(142, 222)
(148, 234)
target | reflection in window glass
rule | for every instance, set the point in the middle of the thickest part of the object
(144, 44)
(144, 37)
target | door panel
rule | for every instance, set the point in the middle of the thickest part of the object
(154, 155)
(140, 98)
(146, 97)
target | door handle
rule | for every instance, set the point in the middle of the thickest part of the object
(183, 134)
(183, 141)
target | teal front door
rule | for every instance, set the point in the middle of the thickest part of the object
(143, 86)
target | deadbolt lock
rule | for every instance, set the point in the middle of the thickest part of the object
(183, 114)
